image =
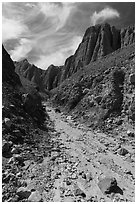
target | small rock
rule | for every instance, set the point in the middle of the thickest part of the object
(107, 184)
(15, 150)
(23, 193)
(69, 117)
(7, 122)
(74, 176)
(89, 176)
(18, 158)
(122, 151)
(132, 78)
(78, 191)
(83, 175)
(35, 197)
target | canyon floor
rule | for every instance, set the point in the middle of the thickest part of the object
(72, 162)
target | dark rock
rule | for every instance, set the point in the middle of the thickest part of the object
(8, 69)
(23, 193)
(57, 110)
(122, 151)
(107, 185)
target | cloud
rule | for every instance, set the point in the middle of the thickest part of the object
(12, 29)
(105, 14)
(57, 12)
(58, 57)
(22, 49)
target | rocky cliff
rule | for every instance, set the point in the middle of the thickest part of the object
(8, 69)
(98, 41)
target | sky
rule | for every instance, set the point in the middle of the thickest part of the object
(47, 33)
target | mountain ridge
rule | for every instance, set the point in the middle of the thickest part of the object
(98, 41)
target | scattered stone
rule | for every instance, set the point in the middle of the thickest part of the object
(130, 133)
(107, 185)
(35, 197)
(7, 122)
(122, 151)
(23, 193)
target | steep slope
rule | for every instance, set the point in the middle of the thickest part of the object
(8, 71)
(98, 41)
(101, 90)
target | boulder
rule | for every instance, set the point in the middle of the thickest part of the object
(122, 151)
(107, 184)
(78, 191)
(7, 122)
(23, 193)
(35, 197)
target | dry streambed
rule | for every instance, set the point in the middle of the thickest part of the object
(91, 163)
(80, 165)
